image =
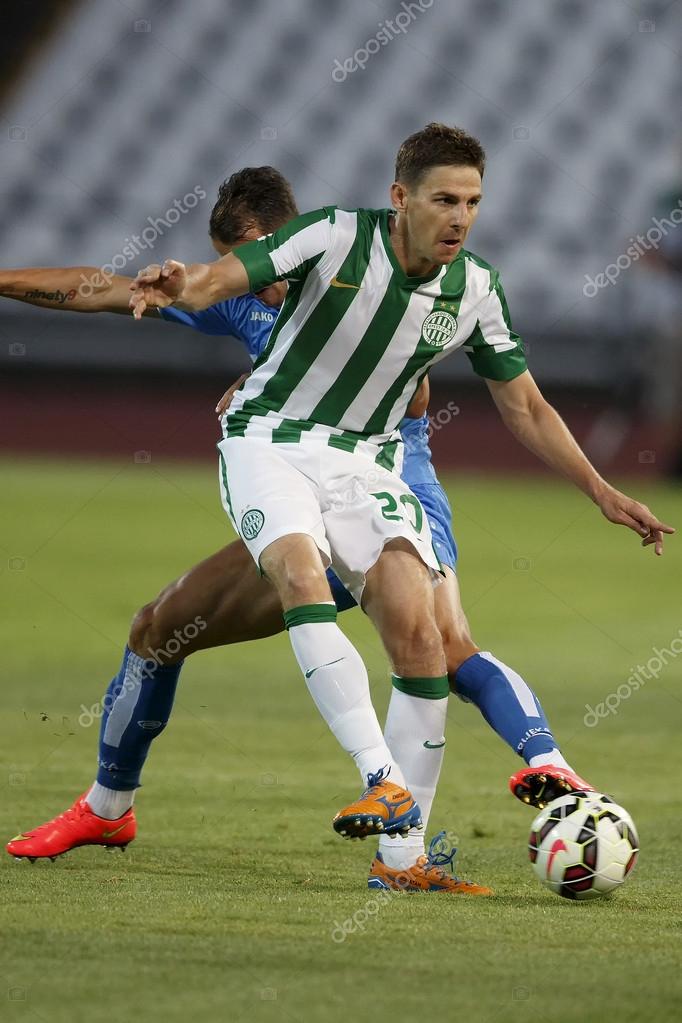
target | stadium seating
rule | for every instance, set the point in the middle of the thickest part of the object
(572, 100)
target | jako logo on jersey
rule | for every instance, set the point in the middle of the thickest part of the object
(438, 328)
(252, 523)
(262, 317)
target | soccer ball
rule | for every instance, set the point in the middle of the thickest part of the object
(583, 845)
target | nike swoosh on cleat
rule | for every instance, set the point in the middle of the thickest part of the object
(434, 745)
(312, 671)
(336, 283)
(21, 838)
(110, 834)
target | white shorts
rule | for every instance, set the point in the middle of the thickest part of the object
(347, 503)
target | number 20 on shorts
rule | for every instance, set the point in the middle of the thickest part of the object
(390, 509)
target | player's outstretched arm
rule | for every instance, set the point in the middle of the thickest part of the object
(541, 429)
(81, 289)
(192, 287)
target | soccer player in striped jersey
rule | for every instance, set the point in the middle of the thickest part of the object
(502, 696)
(224, 592)
(375, 298)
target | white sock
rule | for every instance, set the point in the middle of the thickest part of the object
(553, 757)
(412, 721)
(109, 803)
(337, 680)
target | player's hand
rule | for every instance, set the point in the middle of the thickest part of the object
(625, 511)
(226, 400)
(156, 286)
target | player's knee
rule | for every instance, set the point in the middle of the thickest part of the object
(416, 639)
(139, 629)
(149, 634)
(302, 584)
(458, 647)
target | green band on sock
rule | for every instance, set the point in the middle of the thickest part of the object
(308, 614)
(426, 688)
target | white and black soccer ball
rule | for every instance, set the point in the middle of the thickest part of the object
(583, 845)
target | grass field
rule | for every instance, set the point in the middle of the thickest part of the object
(228, 904)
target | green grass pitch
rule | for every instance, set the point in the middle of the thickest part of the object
(230, 904)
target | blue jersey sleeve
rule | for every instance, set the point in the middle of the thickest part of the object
(245, 318)
(215, 320)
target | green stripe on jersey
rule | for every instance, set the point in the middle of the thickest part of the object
(496, 365)
(364, 360)
(386, 456)
(347, 441)
(223, 469)
(315, 332)
(485, 360)
(288, 309)
(289, 431)
(453, 282)
(255, 257)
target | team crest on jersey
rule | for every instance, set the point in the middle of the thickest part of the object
(252, 523)
(438, 328)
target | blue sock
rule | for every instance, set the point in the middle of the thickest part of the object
(507, 703)
(137, 706)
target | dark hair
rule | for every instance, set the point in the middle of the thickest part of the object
(437, 145)
(251, 195)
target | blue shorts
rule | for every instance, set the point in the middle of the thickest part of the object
(437, 507)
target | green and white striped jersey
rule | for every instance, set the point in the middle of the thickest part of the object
(356, 335)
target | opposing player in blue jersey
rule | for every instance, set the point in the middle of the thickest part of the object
(223, 600)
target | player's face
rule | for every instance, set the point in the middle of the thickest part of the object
(439, 211)
(276, 293)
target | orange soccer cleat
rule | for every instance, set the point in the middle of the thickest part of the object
(426, 875)
(76, 826)
(538, 786)
(382, 809)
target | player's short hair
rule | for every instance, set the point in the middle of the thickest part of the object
(437, 145)
(259, 195)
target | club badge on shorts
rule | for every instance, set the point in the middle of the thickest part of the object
(252, 523)
(438, 328)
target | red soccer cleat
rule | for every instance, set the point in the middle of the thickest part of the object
(538, 786)
(76, 826)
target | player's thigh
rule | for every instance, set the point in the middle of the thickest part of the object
(399, 599)
(269, 496)
(452, 622)
(365, 508)
(220, 601)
